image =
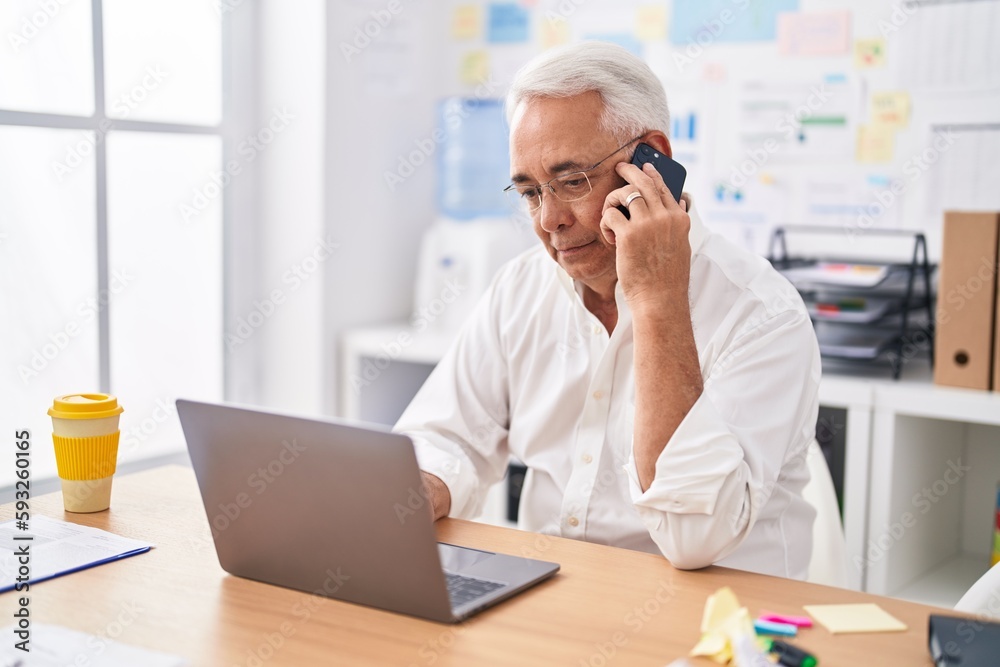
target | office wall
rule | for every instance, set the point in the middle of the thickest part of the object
(295, 247)
(276, 244)
(725, 64)
(873, 165)
(380, 100)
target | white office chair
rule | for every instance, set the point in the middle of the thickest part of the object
(828, 565)
(983, 599)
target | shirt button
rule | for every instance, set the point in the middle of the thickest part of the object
(598, 395)
(573, 521)
(587, 458)
(597, 330)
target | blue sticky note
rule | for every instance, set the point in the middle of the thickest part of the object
(507, 23)
(704, 22)
(629, 41)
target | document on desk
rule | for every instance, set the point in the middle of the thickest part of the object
(56, 646)
(51, 548)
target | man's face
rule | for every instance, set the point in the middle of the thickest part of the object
(552, 137)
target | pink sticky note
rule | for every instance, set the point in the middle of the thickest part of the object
(814, 33)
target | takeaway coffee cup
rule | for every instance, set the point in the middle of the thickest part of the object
(85, 434)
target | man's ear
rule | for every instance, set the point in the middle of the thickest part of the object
(659, 141)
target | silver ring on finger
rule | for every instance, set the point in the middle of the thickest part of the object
(632, 197)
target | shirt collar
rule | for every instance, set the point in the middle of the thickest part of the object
(696, 237)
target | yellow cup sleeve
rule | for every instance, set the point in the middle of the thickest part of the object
(92, 457)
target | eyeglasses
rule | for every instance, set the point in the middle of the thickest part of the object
(568, 187)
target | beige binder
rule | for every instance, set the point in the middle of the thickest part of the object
(964, 347)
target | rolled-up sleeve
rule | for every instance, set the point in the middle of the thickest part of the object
(722, 464)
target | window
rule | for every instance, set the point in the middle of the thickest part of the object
(112, 137)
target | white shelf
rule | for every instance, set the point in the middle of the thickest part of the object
(400, 342)
(944, 585)
(914, 394)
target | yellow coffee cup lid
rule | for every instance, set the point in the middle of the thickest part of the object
(85, 406)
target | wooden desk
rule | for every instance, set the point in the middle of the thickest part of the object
(607, 606)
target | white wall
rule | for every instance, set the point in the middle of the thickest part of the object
(380, 101)
(277, 244)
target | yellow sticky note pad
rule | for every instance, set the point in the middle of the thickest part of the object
(875, 143)
(651, 22)
(555, 32)
(869, 53)
(467, 22)
(891, 108)
(475, 67)
(843, 618)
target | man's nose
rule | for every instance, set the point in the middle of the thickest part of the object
(554, 213)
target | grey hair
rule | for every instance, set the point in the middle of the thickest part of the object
(634, 99)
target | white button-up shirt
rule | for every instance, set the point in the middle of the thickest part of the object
(534, 374)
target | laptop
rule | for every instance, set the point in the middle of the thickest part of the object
(337, 510)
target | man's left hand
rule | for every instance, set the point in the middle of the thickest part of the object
(653, 252)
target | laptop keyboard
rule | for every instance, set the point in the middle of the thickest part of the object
(465, 589)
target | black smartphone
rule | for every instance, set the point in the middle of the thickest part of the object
(672, 172)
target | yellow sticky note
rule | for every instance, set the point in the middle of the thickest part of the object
(651, 22)
(475, 67)
(555, 32)
(724, 624)
(875, 143)
(869, 53)
(891, 108)
(842, 618)
(467, 22)
(719, 606)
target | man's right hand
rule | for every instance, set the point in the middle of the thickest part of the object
(438, 493)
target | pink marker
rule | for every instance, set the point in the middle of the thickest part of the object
(797, 621)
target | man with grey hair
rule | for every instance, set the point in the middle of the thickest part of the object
(659, 383)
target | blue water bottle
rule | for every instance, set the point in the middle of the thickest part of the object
(473, 160)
